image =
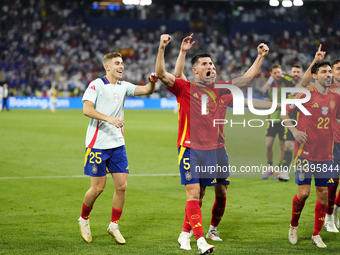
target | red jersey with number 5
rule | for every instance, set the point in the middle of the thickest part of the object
(318, 126)
(197, 130)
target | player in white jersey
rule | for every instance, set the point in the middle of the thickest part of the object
(105, 150)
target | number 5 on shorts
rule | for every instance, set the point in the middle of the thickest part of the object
(186, 164)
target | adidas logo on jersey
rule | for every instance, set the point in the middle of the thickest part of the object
(195, 95)
(315, 105)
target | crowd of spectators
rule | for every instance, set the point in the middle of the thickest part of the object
(51, 45)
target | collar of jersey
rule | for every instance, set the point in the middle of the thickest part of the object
(106, 81)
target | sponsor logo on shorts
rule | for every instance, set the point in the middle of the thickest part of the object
(301, 176)
(188, 176)
(94, 169)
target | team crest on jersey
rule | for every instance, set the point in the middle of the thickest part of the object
(94, 169)
(332, 105)
(324, 110)
(115, 98)
(188, 176)
(301, 176)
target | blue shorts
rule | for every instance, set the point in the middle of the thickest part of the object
(99, 162)
(336, 159)
(204, 167)
(321, 170)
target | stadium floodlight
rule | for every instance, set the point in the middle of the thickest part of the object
(145, 2)
(274, 2)
(287, 3)
(298, 2)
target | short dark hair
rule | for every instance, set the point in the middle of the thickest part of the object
(317, 65)
(195, 58)
(335, 61)
(297, 66)
(275, 66)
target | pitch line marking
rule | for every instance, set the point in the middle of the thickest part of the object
(80, 176)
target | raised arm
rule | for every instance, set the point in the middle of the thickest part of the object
(167, 78)
(307, 77)
(89, 111)
(180, 63)
(267, 86)
(149, 88)
(253, 71)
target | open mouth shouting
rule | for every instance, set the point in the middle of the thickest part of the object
(120, 72)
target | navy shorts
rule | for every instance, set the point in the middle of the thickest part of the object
(99, 162)
(323, 172)
(206, 167)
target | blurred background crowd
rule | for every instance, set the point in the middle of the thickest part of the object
(61, 44)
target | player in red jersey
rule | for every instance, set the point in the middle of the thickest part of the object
(332, 218)
(220, 188)
(313, 148)
(198, 139)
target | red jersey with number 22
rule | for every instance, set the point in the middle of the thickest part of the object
(318, 126)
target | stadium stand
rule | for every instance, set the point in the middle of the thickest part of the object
(46, 43)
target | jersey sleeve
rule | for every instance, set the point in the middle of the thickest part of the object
(130, 89)
(292, 107)
(90, 93)
(177, 87)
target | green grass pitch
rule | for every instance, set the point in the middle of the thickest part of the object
(42, 187)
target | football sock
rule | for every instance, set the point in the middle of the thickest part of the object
(115, 216)
(194, 214)
(331, 196)
(218, 210)
(320, 212)
(296, 211)
(270, 163)
(287, 158)
(186, 223)
(85, 212)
